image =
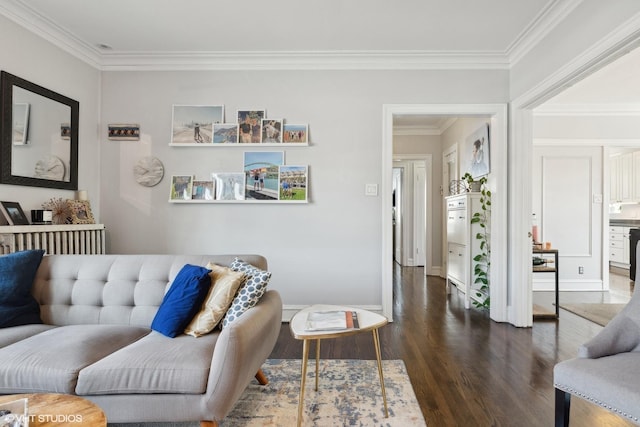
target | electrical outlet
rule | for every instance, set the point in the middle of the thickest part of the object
(581, 270)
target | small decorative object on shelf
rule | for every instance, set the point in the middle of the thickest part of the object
(60, 210)
(473, 185)
(80, 212)
(13, 213)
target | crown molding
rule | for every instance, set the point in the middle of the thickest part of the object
(586, 110)
(417, 130)
(316, 60)
(23, 15)
(19, 12)
(548, 18)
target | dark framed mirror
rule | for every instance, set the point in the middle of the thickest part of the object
(38, 136)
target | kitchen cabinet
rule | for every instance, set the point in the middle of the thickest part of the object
(462, 245)
(619, 246)
(623, 177)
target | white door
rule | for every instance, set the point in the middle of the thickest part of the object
(397, 215)
(419, 216)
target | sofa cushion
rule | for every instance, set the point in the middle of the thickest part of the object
(17, 305)
(249, 293)
(224, 284)
(154, 364)
(182, 301)
(18, 333)
(50, 361)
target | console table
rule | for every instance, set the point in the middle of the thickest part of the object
(73, 239)
(551, 266)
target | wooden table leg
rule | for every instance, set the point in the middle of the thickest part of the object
(261, 378)
(376, 342)
(305, 358)
(317, 361)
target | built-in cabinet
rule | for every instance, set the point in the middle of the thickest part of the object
(625, 178)
(462, 245)
(619, 246)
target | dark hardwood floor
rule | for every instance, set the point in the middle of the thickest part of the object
(466, 369)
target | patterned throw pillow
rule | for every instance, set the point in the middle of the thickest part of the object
(224, 285)
(249, 293)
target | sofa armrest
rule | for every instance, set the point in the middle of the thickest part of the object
(240, 351)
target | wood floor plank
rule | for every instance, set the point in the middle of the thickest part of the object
(466, 369)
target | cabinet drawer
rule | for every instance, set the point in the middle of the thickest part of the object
(457, 226)
(456, 263)
(616, 237)
(616, 229)
(457, 203)
(615, 244)
(616, 255)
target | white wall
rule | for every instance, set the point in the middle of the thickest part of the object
(565, 181)
(326, 251)
(36, 60)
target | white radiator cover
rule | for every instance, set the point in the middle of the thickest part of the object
(74, 239)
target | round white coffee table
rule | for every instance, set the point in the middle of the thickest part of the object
(367, 321)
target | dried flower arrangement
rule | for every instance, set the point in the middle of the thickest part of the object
(60, 210)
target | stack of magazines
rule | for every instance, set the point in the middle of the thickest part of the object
(335, 320)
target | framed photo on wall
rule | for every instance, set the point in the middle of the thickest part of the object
(292, 182)
(124, 132)
(193, 124)
(477, 147)
(13, 213)
(225, 133)
(271, 131)
(295, 134)
(250, 125)
(261, 171)
(229, 186)
(181, 187)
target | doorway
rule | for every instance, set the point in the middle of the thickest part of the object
(412, 233)
(498, 186)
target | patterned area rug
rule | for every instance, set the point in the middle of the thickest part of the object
(348, 395)
(597, 313)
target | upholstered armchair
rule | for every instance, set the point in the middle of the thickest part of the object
(607, 369)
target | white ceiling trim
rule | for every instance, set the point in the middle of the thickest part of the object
(28, 18)
(417, 130)
(550, 110)
(548, 18)
(279, 60)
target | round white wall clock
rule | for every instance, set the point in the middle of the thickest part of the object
(148, 171)
(50, 167)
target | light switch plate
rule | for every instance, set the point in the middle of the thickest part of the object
(371, 189)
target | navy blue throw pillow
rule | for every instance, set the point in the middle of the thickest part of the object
(182, 301)
(17, 305)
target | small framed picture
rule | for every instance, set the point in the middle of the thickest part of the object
(295, 134)
(80, 212)
(65, 131)
(229, 186)
(124, 132)
(225, 133)
(181, 187)
(203, 190)
(250, 126)
(261, 171)
(13, 213)
(193, 124)
(292, 181)
(20, 123)
(271, 131)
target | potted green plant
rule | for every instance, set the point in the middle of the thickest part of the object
(483, 259)
(473, 185)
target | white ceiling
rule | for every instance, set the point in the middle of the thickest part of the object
(153, 26)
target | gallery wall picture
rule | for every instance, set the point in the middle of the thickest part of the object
(261, 174)
(293, 182)
(203, 190)
(181, 187)
(477, 147)
(123, 132)
(225, 133)
(193, 124)
(295, 134)
(271, 131)
(229, 186)
(250, 125)
(13, 214)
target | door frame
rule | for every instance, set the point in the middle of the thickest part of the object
(498, 187)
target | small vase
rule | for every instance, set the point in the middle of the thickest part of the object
(475, 187)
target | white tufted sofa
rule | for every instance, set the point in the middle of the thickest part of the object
(96, 341)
